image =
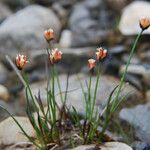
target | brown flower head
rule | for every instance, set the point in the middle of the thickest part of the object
(91, 64)
(49, 34)
(101, 53)
(21, 61)
(144, 23)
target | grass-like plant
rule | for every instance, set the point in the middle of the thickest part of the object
(89, 127)
(50, 129)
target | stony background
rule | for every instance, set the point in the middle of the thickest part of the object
(80, 27)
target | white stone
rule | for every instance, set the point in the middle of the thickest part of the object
(10, 133)
(66, 38)
(129, 22)
(106, 146)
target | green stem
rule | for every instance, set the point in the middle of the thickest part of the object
(125, 72)
(53, 96)
(89, 105)
(95, 91)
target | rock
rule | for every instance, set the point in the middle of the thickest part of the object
(62, 13)
(135, 60)
(105, 146)
(129, 22)
(10, 132)
(4, 12)
(24, 30)
(93, 4)
(75, 95)
(66, 3)
(137, 145)
(85, 25)
(117, 50)
(79, 12)
(3, 74)
(139, 70)
(4, 94)
(138, 117)
(66, 38)
(134, 80)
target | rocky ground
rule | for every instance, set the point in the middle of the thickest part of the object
(80, 26)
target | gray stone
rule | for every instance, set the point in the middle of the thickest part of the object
(139, 70)
(75, 95)
(79, 13)
(129, 22)
(84, 25)
(62, 13)
(24, 30)
(138, 145)
(117, 50)
(138, 117)
(93, 4)
(10, 133)
(105, 146)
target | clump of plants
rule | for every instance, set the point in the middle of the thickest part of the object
(54, 125)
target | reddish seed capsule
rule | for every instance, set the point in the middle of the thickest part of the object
(101, 53)
(91, 63)
(55, 56)
(21, 61)
(49, 34)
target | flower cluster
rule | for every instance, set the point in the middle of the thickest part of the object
(54, 55)
(100, 54)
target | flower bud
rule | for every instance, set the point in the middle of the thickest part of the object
(49, 34)
(144, 23)
(101, 53)
(21, 61)
(91, 63)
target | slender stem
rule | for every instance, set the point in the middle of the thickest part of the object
(126, 68)
(89, 97)
(95, 91)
